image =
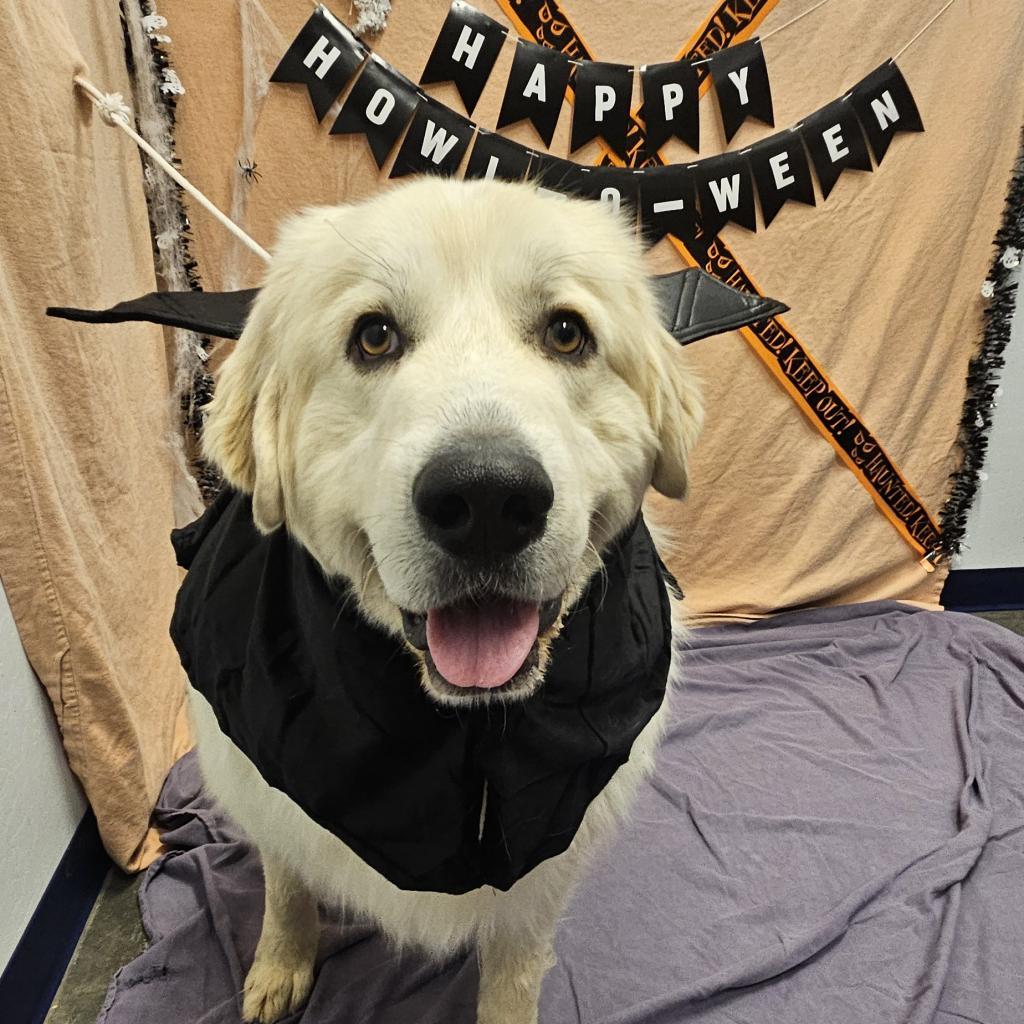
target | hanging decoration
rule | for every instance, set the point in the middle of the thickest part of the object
(725, 189)
(601, 108)
(435, 143)
(465, 52)
(741, 84)
(324, 57)
(713, 192)
(781, 173)
(494, 156)
(885, 106)
(835, 142)
(536, 87)
(379, 107)
(671, 108)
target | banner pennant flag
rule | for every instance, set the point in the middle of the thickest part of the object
(465, 52)
(435, 143)
(379, 106)
(726, 190)
(781, 172)
(603, 96)
(884, 104)
(494, 156)
(324, 57)
(668, 204)
(535, 89)
(741, 83)
(671, 107)
(835, 142)
(617, 187)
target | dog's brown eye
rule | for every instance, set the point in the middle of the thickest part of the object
(376, 337)
(566, 335)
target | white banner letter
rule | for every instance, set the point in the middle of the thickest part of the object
(739, 79)
(884, 108)
(672, 96)
(780, 166)
(833, 139)
(322, 54)
(726, 192)
(378, 110)
(537, 86)
(465, 51)
(604, 100)
(437, 143)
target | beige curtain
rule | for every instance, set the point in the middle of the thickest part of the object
(86, 463)
(883, 278)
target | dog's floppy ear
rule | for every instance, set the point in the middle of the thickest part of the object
(678, 414)
(241, 434)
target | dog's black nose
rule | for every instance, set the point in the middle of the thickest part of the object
(480, 501)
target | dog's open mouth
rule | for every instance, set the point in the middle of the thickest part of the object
(486, 644)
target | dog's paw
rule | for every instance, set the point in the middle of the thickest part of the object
(273, 990)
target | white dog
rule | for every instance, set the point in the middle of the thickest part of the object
(445, 331)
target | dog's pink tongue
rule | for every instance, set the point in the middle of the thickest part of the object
(482, 644)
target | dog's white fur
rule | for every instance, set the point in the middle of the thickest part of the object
(470, 271)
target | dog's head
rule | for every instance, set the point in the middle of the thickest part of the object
(455, 395)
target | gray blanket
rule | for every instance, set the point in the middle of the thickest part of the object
(835, 835)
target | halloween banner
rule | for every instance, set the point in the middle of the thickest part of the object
(714, 191)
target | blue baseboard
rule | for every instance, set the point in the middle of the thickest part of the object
(37, 965)
(984, 590)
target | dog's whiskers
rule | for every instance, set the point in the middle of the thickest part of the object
(382, 263)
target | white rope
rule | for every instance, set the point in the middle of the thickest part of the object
(114, 111)
(793, 21)
(924, 28)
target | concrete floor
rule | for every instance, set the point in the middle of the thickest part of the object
(113, 934)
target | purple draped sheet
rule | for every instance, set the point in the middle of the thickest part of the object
(835, 835)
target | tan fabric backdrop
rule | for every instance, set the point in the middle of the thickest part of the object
(85, 471)
(883, 278)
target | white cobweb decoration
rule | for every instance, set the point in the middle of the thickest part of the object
(262, 46)
(164, 210)
(373, 16)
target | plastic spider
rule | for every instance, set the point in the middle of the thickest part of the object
(249, 171)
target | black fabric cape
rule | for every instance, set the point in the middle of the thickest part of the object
(330, 709)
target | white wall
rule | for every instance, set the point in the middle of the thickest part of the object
(995, 528)
(40, 801)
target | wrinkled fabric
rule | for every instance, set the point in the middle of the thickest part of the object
(89, 484)
(882, 278)
(330, 709)
(835, 833)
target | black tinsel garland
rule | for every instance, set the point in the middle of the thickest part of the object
(985, 367)
(202, 385)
